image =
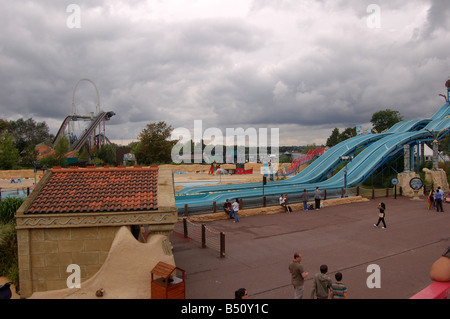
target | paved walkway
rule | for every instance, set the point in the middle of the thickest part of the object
(259, 249)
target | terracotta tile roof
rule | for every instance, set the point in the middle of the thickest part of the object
(98, 190)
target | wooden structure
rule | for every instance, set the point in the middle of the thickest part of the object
(166, 286)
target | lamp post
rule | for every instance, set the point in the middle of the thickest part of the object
(346, 159)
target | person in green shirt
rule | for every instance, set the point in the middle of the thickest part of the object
(321, 284)
(338, 289)
(298, 275)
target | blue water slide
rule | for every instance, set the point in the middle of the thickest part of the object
(357, 171)
(321, 167)
(380, 148)
(442, 113)
(317, 170)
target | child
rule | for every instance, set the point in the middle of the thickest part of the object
(321, 284)
(338, 289)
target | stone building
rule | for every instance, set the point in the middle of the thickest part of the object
(73, 215)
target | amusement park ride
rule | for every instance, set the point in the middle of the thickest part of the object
(93, 135)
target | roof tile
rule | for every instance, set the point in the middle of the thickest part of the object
(98, 190)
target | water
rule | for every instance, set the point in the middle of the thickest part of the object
(21, 193)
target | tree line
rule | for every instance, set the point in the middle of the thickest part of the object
(19, 138)
(381, 121)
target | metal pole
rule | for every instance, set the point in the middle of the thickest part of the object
(203, 236)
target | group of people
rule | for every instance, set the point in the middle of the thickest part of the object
(304, 199)
(323, 287)
(232, 209)
(435, 198)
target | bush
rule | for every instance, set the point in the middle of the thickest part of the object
(8, 239)
(8, 252)
(8, 208)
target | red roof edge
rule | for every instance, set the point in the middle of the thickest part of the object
(105, 169)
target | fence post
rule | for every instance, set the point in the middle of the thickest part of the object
(342, 193)
(373, 193)
(214, 207)
(357, 190)
(325, 194)
(185, 209)
(264, 201)
(185, 228)
(387, 192)
(203, 236)
(240, 203)
(222, 245)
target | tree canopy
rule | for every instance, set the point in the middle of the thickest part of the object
(336, 137)
(154, 146)
(385, 119)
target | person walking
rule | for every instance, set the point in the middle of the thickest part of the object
(438, 195)
(338, 289)
(321, 284)
(298, 275)
(381, 215)
(235, 207)
(317, 197)
(305, 199)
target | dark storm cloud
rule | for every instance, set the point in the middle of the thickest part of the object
(305, 66)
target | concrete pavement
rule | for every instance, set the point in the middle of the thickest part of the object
(260, 248)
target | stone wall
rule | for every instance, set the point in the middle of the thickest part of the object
(44, 255)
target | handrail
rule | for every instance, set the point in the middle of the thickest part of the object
(437, 290)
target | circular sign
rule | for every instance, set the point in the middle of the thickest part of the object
(394, 181)
(416, 183)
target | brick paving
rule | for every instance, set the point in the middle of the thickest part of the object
(259, 249)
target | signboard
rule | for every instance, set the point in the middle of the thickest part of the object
(416, 183)
(394, 181)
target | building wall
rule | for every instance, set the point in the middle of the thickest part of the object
(45, 254)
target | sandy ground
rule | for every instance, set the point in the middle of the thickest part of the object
(193, 172)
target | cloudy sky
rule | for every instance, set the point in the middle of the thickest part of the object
(304, 67)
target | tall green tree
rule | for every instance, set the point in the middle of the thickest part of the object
(26, 132)
(9, 155)
(334, 138)
(385, 119)
(108, 153)
(154, 145)
(61, 149)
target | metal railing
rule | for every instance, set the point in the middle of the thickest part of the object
(293, 198)
(206, 236)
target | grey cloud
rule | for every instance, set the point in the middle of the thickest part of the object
(227, 71)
